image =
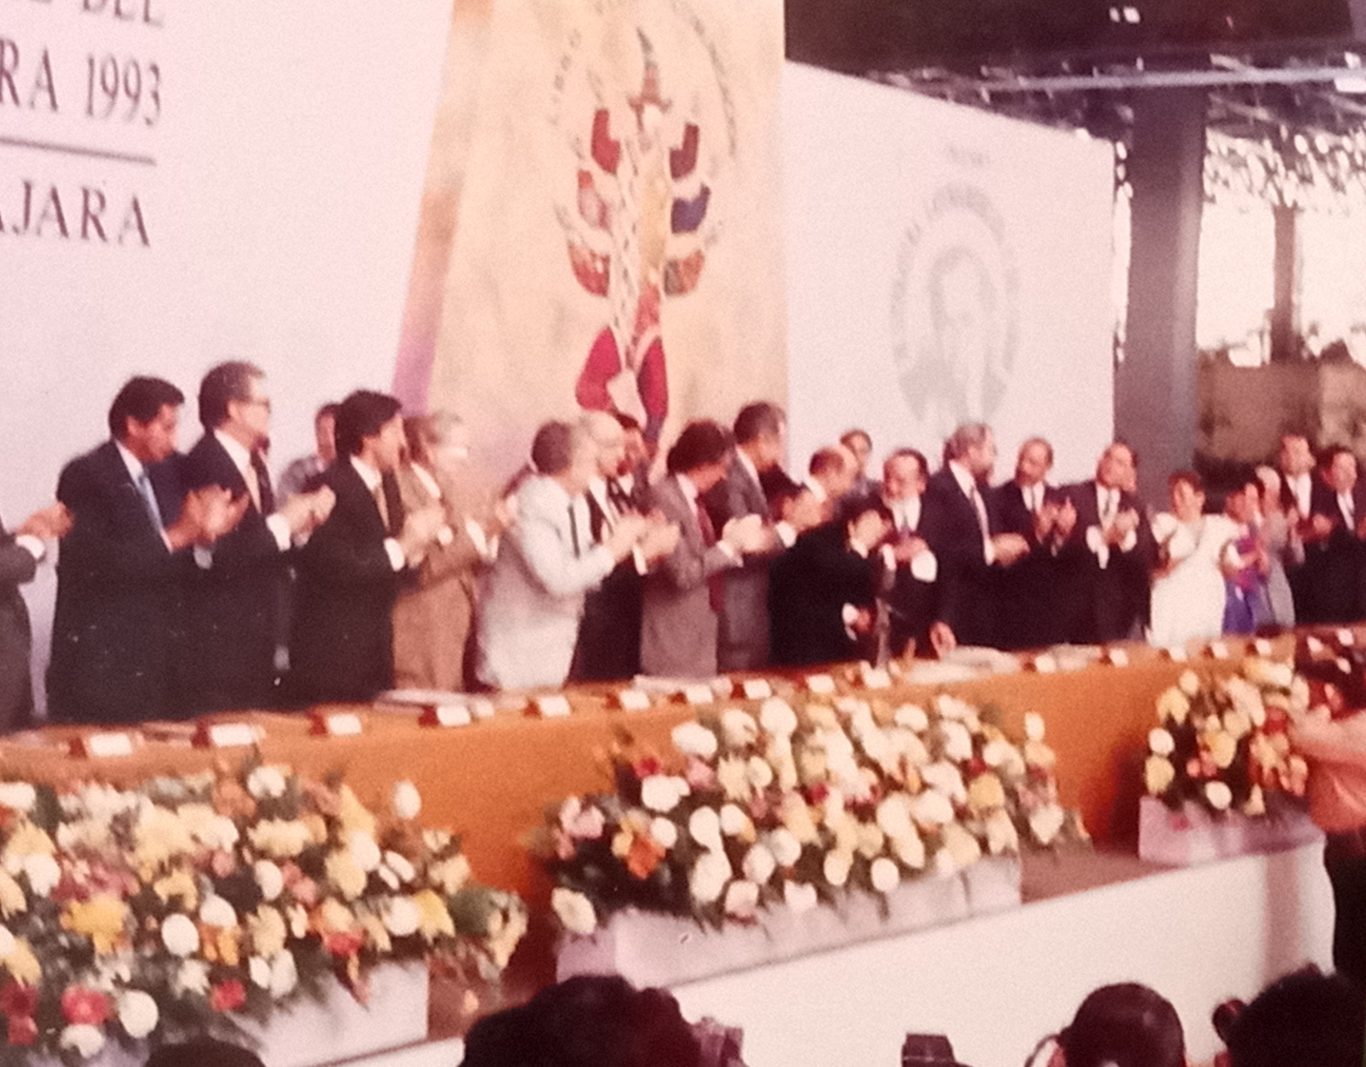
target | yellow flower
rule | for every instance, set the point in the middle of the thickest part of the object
(797, 819)
(12, 899)
(268, 933)
(436, 919)
(317, 828)
(160, 836)
(376, 933)
(452, 874)
(101, 918)
(280, 839)
(353, 814)
(1158, 774)
(733, 777)
(22, 964)
(346, 874)
(812, 766)
(986, 793)
(29, 840)
(1222, 748)
(1173, 705)
(180, 886)
(503, 940)
(334, 917)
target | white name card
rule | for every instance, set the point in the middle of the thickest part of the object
(338, 724)
(820, 684)
(1046, 664)
(633, 700)
(555, 706)
(875, 677)
(109, 744)
(1261, 646)
(1176, 655)
(1346, 638)
(698, 695)
(1314, 645)
(1118, 657)
(756, 689)
(229, 735)
(446, 716)
(1218, 650)
(481, 708)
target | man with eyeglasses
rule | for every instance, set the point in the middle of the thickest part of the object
(234, 593)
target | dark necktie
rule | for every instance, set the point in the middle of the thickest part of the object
(267, 495)
(716, 584)
(620, 499)
(574, 529)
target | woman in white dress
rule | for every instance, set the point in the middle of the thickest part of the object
(1194, 550)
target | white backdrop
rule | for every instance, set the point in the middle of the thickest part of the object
(289, 156)
(943, 264)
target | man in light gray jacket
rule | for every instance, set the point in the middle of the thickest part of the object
(533, 595)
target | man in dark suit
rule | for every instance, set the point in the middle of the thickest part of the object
(20, 554)
(1334, 552)
(969, 545)
(860, 446)
(341, 646)
(234, 595)
(1027, 505)
(823, 592)
(1109, 555)
(1298, 471)
(760, 440)
(913, 597)
(118, 627)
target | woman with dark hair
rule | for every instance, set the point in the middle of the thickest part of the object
(1125, 1025)
(1193, 549)
(1305, 1019)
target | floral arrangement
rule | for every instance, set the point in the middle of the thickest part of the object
(1223, 742)
(144, 914)
(796, 805)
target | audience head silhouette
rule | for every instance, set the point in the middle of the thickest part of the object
(1126, 1025)
(203, 1052)
(1306, 1019)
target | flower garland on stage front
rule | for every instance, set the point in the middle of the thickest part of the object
(148, 913)
(796, 805)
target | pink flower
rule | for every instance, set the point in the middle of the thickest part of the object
(700, 775)
(22, 1030)
(305, 891)
(586, 824)
(88, 1006)
(227, 996)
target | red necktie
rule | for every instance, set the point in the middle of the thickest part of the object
(716, 584)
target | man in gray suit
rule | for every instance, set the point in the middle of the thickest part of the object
(20, 554)
(533, 595)
(760, 440)
(685, 594)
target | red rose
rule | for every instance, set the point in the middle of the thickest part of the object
(646, 767)
(343, 945)
(22, 1030)
(227, 996)
(16, 999)
(81, 1005)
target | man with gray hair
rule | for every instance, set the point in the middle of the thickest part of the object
(966, 539)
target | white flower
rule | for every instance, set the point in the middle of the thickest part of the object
(738, 728)
(953, 708)
(1034, 726)
(947, 778)
(1219, 795)
(759, 864)
(884, 875)
(894, 816)
(574, 910)
(704, 827)
(284, 975)
(1001, 833)
(406, 801)
(742, 898)
(193, 976)
(836, 867)
(664, 831)
(138, 1013)
(799, 896)
(43, 873)
(910, 850)
(1045, 823)
(259, 970)
(364, 850)
(215, 911)
(401, 916)
(388, 877)
(18, 796)
(403, 870)
(957, 741)
(709, 876)
(734, 821)
(83, 1039)
(694, 739)
(786, 849)
(777, 717)
(266, 783)
(662, 792)
(1161, 742)
(998, 753)
(7, 942)
(219, 833)
(759, 772)
(1189, 683)
(179, 935)
(932, 808)
(912, 717)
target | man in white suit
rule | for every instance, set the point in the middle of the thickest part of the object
(533, 595)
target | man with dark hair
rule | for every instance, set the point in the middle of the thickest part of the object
(966, 537)
(760, 441)
(341, 647)
(685, 595)
(118, 627)
(913, 597)
(634, 479)
(1333, 549)
(304, 471)
(1295, 462)
(235, 593)
(1031, 610)
(860, 446)
(1305, 1019)
(547, 561)
(829, 477)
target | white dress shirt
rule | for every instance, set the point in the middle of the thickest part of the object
(968, 484)
(241, 459)
(137, 472)
(1302, 486)
(375, 481)
(1108, 500)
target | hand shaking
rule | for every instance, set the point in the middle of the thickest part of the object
(50, 524)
